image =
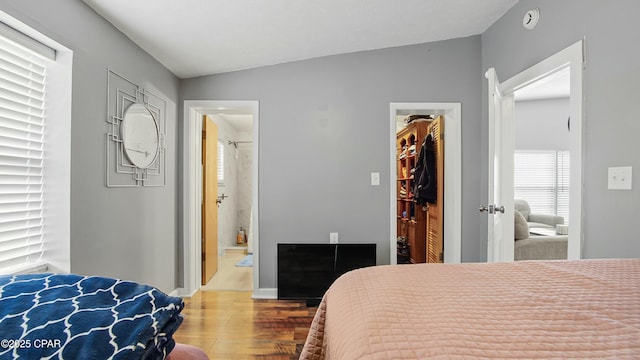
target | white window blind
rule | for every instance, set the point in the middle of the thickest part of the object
(220, 162)
(542, 178)
(563, 184)
(22, 123)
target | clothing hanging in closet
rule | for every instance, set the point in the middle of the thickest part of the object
(425, 187)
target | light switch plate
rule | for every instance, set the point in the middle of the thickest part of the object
(375, 178)
(619, 178)
(333, 238)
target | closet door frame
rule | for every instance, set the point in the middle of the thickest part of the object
(452, 113)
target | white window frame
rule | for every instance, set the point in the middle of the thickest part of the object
(57, 153)
(220, 162)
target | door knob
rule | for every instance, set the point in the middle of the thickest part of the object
(492, 209)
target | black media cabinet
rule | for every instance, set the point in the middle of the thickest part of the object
(305, 271)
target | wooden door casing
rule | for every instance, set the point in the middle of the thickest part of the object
(435, 212)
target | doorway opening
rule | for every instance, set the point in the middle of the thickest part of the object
(230, 157)
(501, 96)
(542, 161)
(452, 212)
(237, 142)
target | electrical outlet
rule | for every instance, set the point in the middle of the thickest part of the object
(333, 238)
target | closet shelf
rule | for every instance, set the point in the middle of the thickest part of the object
(407, 157)
(410, 221)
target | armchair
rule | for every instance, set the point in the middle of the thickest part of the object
(529, 246)
(537, 220)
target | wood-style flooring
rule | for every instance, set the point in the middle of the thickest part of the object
(231, 325)
(229, 276)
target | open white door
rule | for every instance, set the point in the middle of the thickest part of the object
(500, 239)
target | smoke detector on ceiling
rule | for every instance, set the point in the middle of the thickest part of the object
(531, 18)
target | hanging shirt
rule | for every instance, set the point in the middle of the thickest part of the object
(425, 186)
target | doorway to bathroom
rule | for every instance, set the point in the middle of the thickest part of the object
(230, 152)
(235, 201)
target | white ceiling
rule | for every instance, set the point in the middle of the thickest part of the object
(240, 122)
(238, 117)
(201, 37)
(556, 85)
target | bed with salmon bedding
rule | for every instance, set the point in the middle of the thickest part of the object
(584, 309)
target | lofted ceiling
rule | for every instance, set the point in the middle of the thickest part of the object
(201, 37)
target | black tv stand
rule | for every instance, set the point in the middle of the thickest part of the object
(306, 271)
(313, 302)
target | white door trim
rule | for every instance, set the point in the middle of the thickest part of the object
(192, 189)
(452, 175)
(572, 57)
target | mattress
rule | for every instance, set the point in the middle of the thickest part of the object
(586, 309)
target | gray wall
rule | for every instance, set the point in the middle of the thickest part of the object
(611, 101)
(324, 127)
(126, 233)
(542, 124)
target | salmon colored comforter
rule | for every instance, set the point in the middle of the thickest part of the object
(587, 309)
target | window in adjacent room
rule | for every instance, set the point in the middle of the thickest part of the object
(34, 152)
(220, 162)
(542, 178)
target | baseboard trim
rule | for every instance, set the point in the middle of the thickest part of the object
(182, 292)
(261, 293)
(265, 293)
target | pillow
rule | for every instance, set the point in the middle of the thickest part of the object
(521, 228)
(523, 207)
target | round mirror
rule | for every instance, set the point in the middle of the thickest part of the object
(140, 136)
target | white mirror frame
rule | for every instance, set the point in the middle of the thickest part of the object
(122, 168)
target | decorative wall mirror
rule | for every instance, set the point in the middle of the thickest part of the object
(140, 136)
(136, 135)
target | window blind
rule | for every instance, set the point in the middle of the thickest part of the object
(542, 178)
(563, 184)
(22, 111)
(25, 40)
(220, 161)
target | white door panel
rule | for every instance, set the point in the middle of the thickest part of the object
(500, 241)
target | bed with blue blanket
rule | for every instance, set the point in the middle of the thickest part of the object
(57, 316)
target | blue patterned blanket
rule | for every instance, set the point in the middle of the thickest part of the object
(56, 316)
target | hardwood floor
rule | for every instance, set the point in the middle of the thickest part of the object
(229, 276)
(231, 325)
